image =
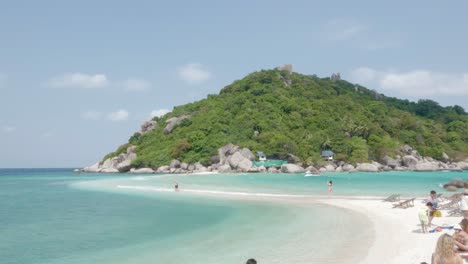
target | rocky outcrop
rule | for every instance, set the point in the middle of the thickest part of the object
(367, 167)
(463, 165)
(92, 168)
(348, 167)
(142, 171)
(458, 183)
(409, 161)
(148, 126)
(247, 154)
(175, 164)
(426, 166)
(171, 123)
(392, 163)
(291, 168)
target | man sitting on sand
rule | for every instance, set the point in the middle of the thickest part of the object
(432, 198)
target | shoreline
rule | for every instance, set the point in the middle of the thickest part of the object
(398, 238)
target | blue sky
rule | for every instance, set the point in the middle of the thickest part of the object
(77, 78)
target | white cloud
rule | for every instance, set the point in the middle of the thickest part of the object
(159, 113)
(414, 83)
(120, 115)
(136, 85)
(79, 80)
(194, 73)
(9, 129)
(91, 115)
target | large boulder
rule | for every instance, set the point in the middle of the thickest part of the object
(184, 166)
(463, 165)
(142, 171)
(164, 169)
(175, 164)
(291, 168)
(273, 170)
(226, 151)
(148, 126)
(124, 166)
(427, 166)
(406, 149)
(171, 123)
(225, 168)
(244, 165)
(110, 170)
(247, 154)
(92, 168)
(392, 163)
(454, 167)
(313, 170)
(235, 159)
(409, 161)
(330, 168)
(456, 183)
(131, 149)
(367, 167)
(348, 167)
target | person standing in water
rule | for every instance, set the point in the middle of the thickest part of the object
(176, 187)
(330, 186)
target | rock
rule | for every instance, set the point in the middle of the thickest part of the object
(244, 165)
(348, 167)
(291, 168)
(330, 168)
(392, 163)
(378, 165)
(92, 168)
(313, 170)
(406, 149)
(235, 159)
(339, 169)
(292, 158)
(253, 169)
(459, 183)
(409, 161)
(367, 167)
(451, 188)
(148, 126)
(224, 168)
(426, 166)
(285, 67)
(273, 170)
(387, 168)
(124, 166)
(164, 169)
(191, 167)
(401, 168)
(142, 171)
(184, 166)
(463, 165)
(175, 163)
(262, 169)
(247, 154)
(415, 154)
(454, 167)
(226, 151)
(131, 149)
(171, 123)
(110, 170)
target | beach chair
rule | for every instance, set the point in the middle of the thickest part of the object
(453, 204)
(392, 198)
(405, 204)
(455, 213)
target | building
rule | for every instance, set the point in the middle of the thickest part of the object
(328, 154)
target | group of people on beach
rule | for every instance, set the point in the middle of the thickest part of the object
(450, 249)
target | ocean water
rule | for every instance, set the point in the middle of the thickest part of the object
(55, 216)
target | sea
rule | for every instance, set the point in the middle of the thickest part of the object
(59, 217)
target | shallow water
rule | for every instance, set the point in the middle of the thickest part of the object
(55, 216)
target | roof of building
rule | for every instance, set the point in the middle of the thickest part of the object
(327, 153)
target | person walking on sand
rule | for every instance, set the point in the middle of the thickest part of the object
(330, 186)
(423, 218)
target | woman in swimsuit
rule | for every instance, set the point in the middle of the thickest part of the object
(330, 186)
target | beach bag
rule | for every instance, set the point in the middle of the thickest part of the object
(437, 213)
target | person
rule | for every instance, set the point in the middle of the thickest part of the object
(330, 186)
(461, 235)
(464, 204)
(431, 209)
(251, 261)
(423, 218)
(176, 187)
(432, 198)
(444, 253)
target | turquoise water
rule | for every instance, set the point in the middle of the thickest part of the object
(55, 216)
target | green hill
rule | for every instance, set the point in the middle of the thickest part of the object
(279, 112)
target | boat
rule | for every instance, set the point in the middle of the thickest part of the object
(310, 174)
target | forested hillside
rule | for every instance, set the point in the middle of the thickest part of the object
(280, 112)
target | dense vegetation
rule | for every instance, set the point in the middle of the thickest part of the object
(280, 112)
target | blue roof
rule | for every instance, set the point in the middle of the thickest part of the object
(327, 153)
(260, 153)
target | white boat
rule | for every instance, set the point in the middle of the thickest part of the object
(310, 174)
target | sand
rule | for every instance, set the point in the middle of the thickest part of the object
(399, 238)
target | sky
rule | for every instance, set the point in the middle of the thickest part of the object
(78, 78)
